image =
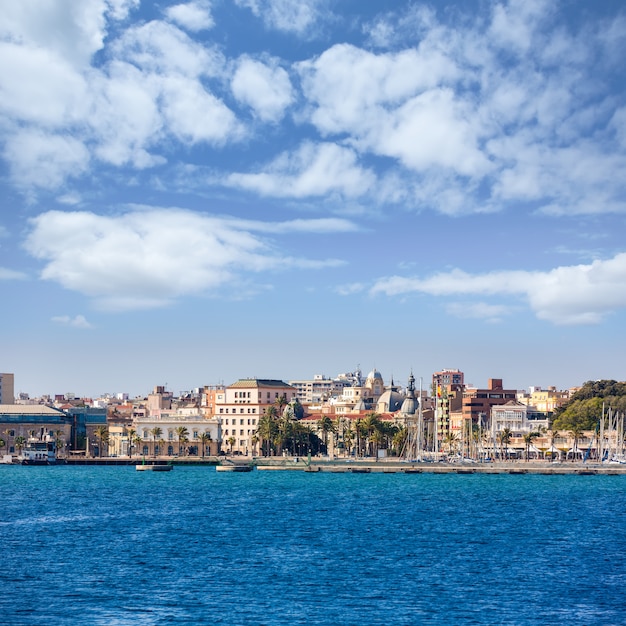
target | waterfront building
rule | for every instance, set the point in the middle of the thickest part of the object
(7, 389)
(477, 403)
(239, 406)
(183, 432)
(20, 423)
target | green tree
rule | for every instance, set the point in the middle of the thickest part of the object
(183, 437)
(131, 434)
(3, 443)
(268, 429)
(528, 440)
(231, 442)
(156, 433)
(326, 426)
(101, 433)
(205, 440)
(575, 433)
(59, 442)
(19, 442)
(504, 437)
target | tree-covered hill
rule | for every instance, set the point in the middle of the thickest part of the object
(584, 408)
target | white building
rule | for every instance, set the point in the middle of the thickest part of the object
(239, 406)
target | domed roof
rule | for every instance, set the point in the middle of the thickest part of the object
(375, 375)
(389, 401)
(409, 406)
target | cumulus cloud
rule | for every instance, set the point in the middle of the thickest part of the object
(79, 321)
(194, 16)
(577, 294)
(266, 89)
(312, 170)
(296, 16)
(44, 159)
(148, 258)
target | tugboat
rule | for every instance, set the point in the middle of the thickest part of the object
(37, 452)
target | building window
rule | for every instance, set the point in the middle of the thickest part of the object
(240, 422)
(241, 432)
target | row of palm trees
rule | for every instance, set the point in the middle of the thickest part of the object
(101, 433)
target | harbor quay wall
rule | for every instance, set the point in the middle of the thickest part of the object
(366, 466)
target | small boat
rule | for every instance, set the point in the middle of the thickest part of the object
(154, 468)
(37, 452)
(233, 467)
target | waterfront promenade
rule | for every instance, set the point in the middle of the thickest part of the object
(369, 465)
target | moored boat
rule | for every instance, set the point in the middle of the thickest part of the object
(37, 452)
(233, 467)
(153, 468)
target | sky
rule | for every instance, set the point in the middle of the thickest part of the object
(197, 192)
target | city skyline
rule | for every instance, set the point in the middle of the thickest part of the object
(197, 192)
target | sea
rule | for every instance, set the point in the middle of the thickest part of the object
(112, 546)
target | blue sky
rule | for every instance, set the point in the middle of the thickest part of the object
(201, 191)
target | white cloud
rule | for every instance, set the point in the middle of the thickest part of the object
(72, 30)
(44, 159)
(578, 294)
(264, 88)
(79, 321)
(295, 16)
(313, 170)
(194, 16)
(148, 258)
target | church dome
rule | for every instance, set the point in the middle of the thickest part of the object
(375, 375)
(389, 402)
(409, 406)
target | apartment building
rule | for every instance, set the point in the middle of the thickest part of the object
(7, 391)
(240, 405)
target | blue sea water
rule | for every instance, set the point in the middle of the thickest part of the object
(113, 546)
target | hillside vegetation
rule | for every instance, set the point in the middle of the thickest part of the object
(584, 409)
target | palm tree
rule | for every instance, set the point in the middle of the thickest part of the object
(281, 403)
(505, 438)
(450, 441)
(398, 440)
(59, 443)
(183, 436)
(528, 440)
(326, 426)
(156, 433)
(131, 440)
(205, 439)
(254, 440)
(576, 433)
(554, 435)
(19, 442)
(348, 439)
(101, 433)
(268, 428)
(370, 425)
(2, 443)
(231, 441)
